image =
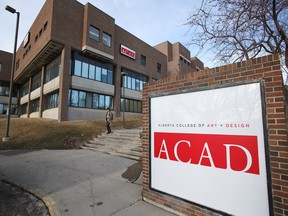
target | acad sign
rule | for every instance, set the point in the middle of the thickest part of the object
(208, 147)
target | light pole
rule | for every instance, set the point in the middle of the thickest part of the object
(123, 75)
(13, 11)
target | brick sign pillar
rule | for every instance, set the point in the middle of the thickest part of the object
(266, 73)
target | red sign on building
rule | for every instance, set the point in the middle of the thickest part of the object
(128, 52)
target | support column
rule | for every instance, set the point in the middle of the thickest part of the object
(64, 83)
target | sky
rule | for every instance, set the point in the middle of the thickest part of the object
(153, 21)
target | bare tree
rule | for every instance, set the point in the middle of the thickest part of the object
(238, 30)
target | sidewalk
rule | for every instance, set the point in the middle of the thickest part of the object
(76, 182)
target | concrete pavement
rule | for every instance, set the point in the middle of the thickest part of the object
(78, 182)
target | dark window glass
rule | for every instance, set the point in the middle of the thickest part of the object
(89, 100)
(82, 99)
(52, 100)
(143, 60)
(94, 33)
(106, 39)
(35, 105)
(36, 81)
(53, 69)
(95, 101)
(158, 67)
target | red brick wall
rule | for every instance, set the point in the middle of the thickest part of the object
(266, 68)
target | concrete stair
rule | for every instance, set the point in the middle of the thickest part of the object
(125, 143)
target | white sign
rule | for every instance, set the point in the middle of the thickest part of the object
(208, 147)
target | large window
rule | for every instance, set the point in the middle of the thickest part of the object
(25, 89)
(35, 105)
(134, 106)
(133, 80)
(36, 81)
(91, 100)
(94, 33)
(24, 108)
(106, 39)
(92, 69)
(52, 100)
(53, 69)
(3, 109)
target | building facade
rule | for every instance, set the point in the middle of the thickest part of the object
(5, 71)
(72, 66)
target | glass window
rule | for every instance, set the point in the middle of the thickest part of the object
(104, 75)
(98, 72)
(0, 67)
(143, 60)
(36, 81)
(77, 68)
(82, 99)
(106, 39)
(94, 33)
(107, 101)
(25, 108)
(101, 101)
(74, 98)
(95, 101)
(89, 100)
(53, 69)
(85, 70)
(92, 71)
(158, 67)
(52, 100)
(25, 89)
(35, 105)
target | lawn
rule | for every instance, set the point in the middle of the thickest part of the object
(33, 133)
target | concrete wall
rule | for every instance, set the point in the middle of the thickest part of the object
(266, 69)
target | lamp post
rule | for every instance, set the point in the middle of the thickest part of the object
(123, 75)
(13, 11)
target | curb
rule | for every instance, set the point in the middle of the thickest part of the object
(48, 201)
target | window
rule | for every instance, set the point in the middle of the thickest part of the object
(25, 89)
(134, 106)
(53, 69)
(52, 100)
(92, 69)
(94, 33)
(25, 108)
(106, 39)
(85, 99)
(143, 60)
(35, 105)
(45, 25)
(158, 67)
(36, 81)
(133, 80)
(0, 67)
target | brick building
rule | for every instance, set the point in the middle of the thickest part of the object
(5, 71)
(70, 66)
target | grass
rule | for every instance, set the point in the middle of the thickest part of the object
(32, 133)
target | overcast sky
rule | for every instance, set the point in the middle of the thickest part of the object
(153, 21)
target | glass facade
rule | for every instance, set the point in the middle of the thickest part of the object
(133, 80)
(92, 69)
(90, 100)
(134, 106)
(53, 69)
(36, 81)
(52, 100)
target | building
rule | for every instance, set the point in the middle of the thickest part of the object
(5, 71)
(73, 66)
(179, 60)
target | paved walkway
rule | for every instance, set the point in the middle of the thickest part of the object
(76, 182)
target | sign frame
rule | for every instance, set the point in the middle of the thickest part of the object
(264, 130)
